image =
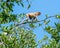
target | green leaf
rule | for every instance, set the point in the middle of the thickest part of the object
(0, 34)
(48, 28)
(58, 16)
(40, 41)
(40, 24)
(45, 37)
(46, 22)
(32, 25)
(22, 4)
(46, 15)
(29, 6)
(58, 26)
(17, 2)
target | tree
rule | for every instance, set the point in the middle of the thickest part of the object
(16, 36)
(11, 36)
(54, 41)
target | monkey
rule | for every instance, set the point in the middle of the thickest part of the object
(32, 16)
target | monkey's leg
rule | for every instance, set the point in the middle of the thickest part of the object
(36, 18)
(30, 18)
(33, 19)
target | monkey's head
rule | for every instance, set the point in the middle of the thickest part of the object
(33, 14)
(37, 13)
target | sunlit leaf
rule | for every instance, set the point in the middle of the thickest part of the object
(58, 16)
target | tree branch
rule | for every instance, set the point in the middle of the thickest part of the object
(33, 21)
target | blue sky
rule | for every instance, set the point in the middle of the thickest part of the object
(50, 7)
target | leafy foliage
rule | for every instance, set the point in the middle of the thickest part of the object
(18, 39)
(12, 37)
(6, 9)
(16, 36)
(54, 41)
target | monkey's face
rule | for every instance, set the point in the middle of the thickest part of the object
(37, 13)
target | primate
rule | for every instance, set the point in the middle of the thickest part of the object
(32, 16)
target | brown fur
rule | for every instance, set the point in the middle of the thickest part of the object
(34, 14)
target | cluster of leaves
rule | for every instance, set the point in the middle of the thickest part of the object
(49, 43)
(54, 31)
(54, 41)
(17, 39)
(6, 10)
